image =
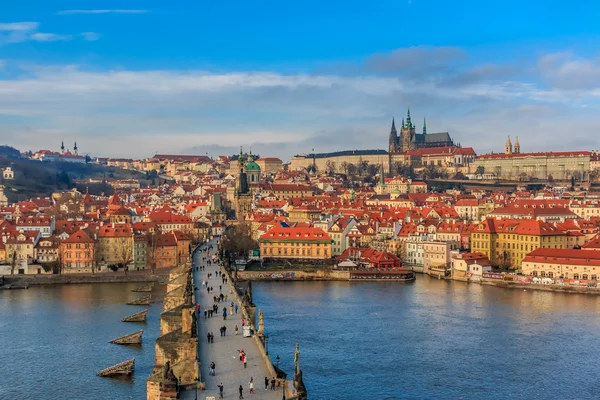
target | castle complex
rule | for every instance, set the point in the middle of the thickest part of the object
(410, 140)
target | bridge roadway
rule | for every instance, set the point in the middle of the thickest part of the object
(224, 351)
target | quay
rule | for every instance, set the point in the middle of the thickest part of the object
(183, 354)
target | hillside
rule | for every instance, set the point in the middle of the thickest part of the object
(39, 179)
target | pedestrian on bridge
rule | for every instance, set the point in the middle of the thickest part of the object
(220, 389)
(241, 392)
(266, 383)
(236, 329)
(212, 369)
(251, 385)
(236, 308)
(224, 313)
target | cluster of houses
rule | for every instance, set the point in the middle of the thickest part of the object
(302, 216)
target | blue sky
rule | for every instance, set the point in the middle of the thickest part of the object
(129, 78)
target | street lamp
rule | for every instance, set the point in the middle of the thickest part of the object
(277, 359)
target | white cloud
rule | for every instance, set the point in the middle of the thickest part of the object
(113, 11)
(17, 32)
(90, 36)
(177, 110)
(49, 37)
(18, 26)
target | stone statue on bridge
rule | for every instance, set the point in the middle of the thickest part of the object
(261, 323)
(194, 325)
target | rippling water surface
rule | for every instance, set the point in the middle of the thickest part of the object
(54, 339)
(434, 340)
(428, 340)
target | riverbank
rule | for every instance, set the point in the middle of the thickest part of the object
(543, 288)
(513, 281)
(159, 276)
(329, 275)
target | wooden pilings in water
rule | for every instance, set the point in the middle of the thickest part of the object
(142, 301)
(132, 338)
(124, 368)
(137, 317)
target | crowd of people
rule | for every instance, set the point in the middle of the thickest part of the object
(228, 309)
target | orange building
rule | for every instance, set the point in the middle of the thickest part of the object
(172, 249)
(302, 243)
(77, 253)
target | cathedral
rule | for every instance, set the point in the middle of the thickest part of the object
(410, 140)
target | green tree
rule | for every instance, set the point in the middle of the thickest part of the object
(480, 170)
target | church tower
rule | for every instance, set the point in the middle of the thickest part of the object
(508, 149)
(62, 147)
(517, 148)
(393, 146)
(243, 197)
(424, 127)
(75, 149)
(380, 188)
(407, 134)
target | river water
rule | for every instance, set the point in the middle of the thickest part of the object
(53, 340)
(358, 340)
(434, 340)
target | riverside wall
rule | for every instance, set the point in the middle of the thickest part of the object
(161, 276)
(513, 281)
(279, 275)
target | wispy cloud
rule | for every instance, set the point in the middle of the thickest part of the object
(17, 32)
(18, 26)
(285, 114)
(49, 37)
(111, 11)
(90, 36)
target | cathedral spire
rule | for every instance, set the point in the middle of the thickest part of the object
(393, 125)
(508, 148)
(408, 121)
(403, 123)
(517, 146)
(424, 126)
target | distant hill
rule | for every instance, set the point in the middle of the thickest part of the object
(10, 152)
(39, 179)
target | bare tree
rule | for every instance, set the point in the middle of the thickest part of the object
(344, 166)
(238, 240)
(329, 167)
(13, 264)
(124, 252)
(151, 248)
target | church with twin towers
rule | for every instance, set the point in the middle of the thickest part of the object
(409, 139)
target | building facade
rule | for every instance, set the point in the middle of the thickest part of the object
(527, 166)
(295, 243)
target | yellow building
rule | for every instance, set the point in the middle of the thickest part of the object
(269, 165)
(295, 243)
(524, 166)
(506, 242)
(337, 161)
(115, 245)
(304, 213)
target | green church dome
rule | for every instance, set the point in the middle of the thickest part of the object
(252, 166)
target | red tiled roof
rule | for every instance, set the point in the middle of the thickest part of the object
(78, 237)
(564, 256)
(296, 234)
